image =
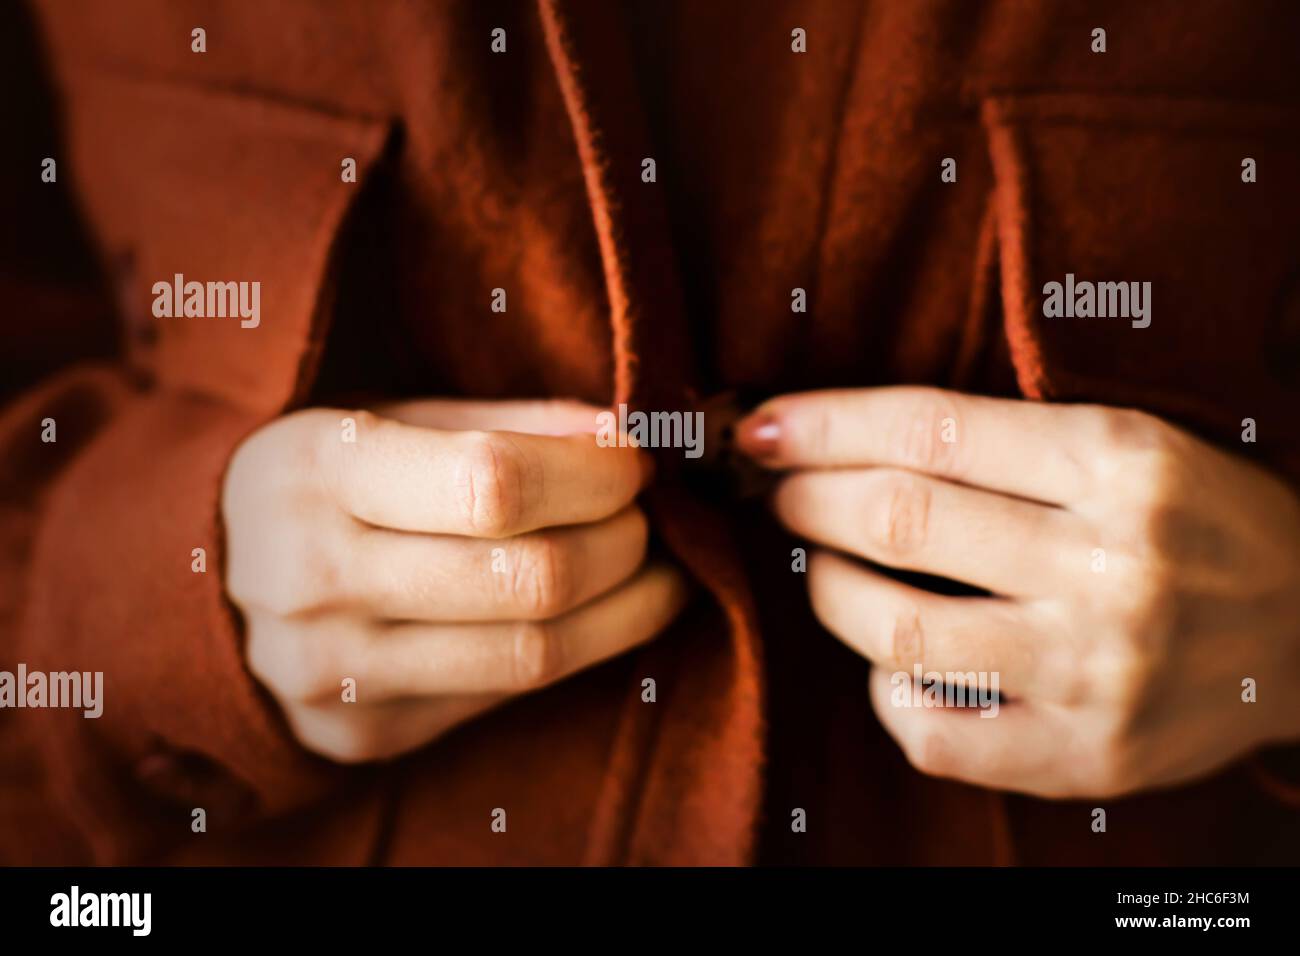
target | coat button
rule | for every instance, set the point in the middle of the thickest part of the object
(722, 472)
(190, 779)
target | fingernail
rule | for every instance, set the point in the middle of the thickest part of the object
(759, 435)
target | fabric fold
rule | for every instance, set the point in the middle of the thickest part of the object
(682, 785)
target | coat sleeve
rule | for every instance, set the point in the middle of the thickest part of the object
(114, 530)
(100, 528)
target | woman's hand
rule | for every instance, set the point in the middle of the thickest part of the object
(453, 555)
(1138, 576)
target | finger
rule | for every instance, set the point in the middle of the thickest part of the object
(415, 659)
(421, 660)
(355, 732)
(1022, 448)
(912, 522)
(476, 483)
(899, 627)
(536, 417)
(1018, 748)
(397, 575)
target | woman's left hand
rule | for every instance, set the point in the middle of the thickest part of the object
(1137, 576)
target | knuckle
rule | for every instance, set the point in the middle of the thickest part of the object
(323, 575)
(323, 455)
(1149, 614)
(1128, 430)
(262, 455)
(537, 656)
(1074, 683)
(351, 739)
(367, 422)
(542, 582)
(907, 640)
(1159, 485)
(258, 500)
(932, 753)
(290, 664)
(286, 559)
(1136, 442)
(918, 438)
(1123, 676)
(1116, 766)
(328, 433)
(490, 482)
(1165, 472)
(900, 521)
(818, 430)
(300, 577)
(331, 465)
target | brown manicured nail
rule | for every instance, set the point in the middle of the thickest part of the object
(759, 435)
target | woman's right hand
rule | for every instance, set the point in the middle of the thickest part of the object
(453, 555)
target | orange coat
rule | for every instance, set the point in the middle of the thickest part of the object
(522, 171)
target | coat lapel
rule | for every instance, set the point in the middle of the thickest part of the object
(682, 784)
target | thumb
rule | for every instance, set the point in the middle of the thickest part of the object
(531, 416)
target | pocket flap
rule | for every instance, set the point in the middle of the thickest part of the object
(1150, 189)
(218, 187)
